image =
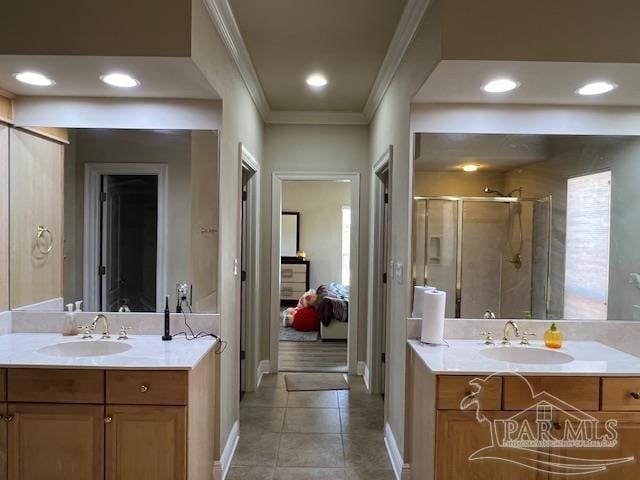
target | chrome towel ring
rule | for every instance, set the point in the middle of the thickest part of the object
(44, 235)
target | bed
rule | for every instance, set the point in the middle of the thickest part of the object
(333, 309)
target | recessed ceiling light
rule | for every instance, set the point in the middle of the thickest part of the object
(500, 85)
(596, 88)
(34, 78)
(317, 80)
(470, 168)
(121, 80)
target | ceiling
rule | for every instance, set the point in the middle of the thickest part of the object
(79, 76)
(346, 40)
(499, 152)
(460, 81)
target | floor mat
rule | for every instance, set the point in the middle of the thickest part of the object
(289, 334)
(316, 381)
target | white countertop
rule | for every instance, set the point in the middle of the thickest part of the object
(147, 352)
(463, 357)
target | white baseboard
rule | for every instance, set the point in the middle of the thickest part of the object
(263, 367)
(400, 468)
(363, 370)
(221, 467)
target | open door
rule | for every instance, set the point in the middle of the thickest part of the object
(128, 244)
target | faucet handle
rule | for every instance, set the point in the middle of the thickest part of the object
(86, 334)
(525, 337)
(123, 333)
(488, 338)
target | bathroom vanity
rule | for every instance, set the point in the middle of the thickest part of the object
(461, 401)
(147, 412)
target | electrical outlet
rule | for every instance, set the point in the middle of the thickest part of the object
(182, 290)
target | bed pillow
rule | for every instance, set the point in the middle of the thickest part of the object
(306, 320)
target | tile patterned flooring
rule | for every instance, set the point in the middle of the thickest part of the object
(330, 435)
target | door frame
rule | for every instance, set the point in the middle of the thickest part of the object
(354, 260)
(252, 333)
(92, 225)
(378, 381)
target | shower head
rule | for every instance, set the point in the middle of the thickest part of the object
(496, 192)
(500, 194)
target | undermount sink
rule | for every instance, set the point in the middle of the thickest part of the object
(527, 355)
(95, 348)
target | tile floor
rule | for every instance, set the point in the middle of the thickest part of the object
(331, 435)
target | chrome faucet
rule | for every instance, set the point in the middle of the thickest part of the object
(510, 325)
(88, 330)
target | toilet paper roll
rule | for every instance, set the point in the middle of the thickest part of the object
(417, 299)
(433, 308)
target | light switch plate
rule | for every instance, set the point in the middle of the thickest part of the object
(399, 273)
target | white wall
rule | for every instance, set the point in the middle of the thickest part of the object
(315, 148)
(320, 205)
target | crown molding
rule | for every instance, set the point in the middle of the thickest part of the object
(317, 118)
(225, 22)
(411, 17)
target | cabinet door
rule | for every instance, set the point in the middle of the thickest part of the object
(146, 443)
(627, 445)
(55, 442)
(460, 435)
(3, 442)
(36, 189)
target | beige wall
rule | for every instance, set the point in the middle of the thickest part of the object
(4, 217)
(320, 205)
(390, 126)
(241, 123)
(315, 148)
(436, 184)
(130, 146)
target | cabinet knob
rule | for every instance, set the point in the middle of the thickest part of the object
(635, 395)
(144, 388)
(8, 418)
(107, 419)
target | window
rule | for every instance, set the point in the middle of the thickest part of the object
(586, 280)
(346, 244)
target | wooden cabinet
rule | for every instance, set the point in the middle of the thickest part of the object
(65, 424)
(36, 185)
(464, 449)
(483, 425)
(56, 442)
(145, 443)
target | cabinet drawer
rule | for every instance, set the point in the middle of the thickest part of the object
(288, 269)
(452, 389)
(291, 291)
(621, 394)
(45, 385)
(293, 277)
(147, 387)
(582, 393)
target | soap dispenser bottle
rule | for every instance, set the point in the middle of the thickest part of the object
(68, 327)
(553, 337)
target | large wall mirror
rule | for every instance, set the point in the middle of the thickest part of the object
(529, 226)
(290, 234)
(117, 218)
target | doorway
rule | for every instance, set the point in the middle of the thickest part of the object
(314, 248)
(249, 270)
(128, 243)
(380, 260)
(125, 238)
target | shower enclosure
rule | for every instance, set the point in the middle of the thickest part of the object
(490, 254)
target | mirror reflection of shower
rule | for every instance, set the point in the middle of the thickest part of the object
(515, 220)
